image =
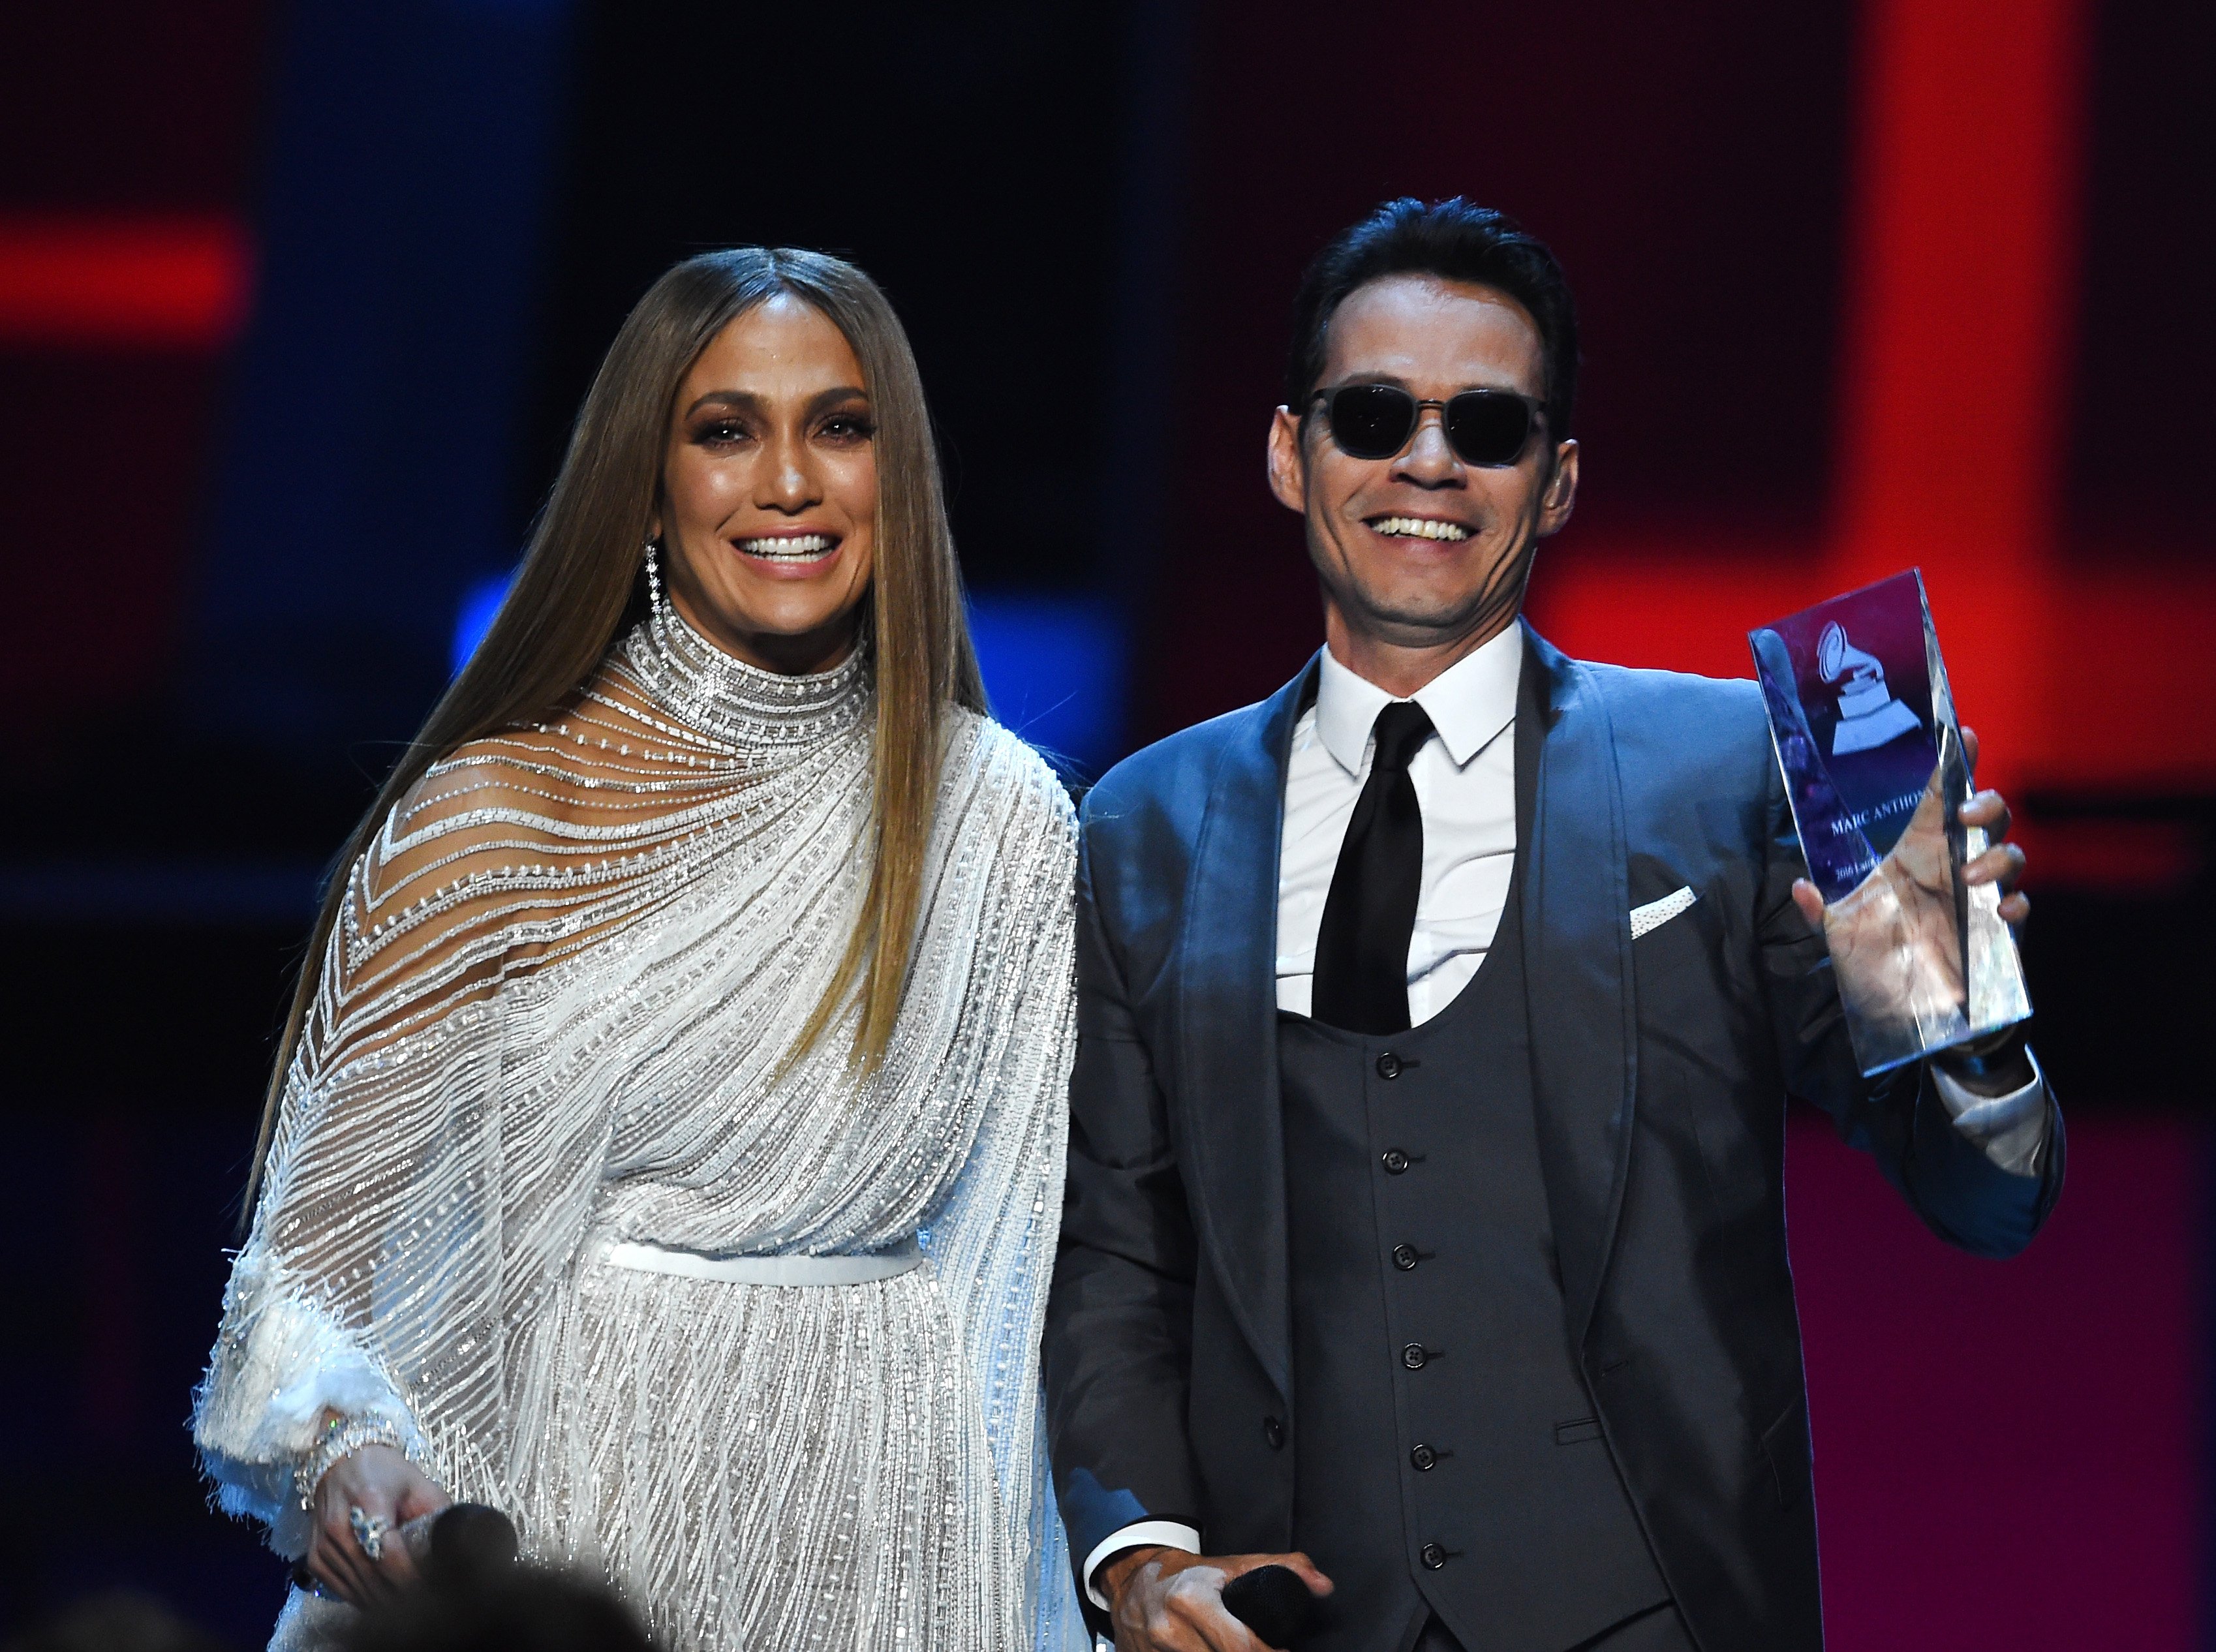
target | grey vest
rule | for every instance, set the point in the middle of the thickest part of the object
(1446, 1455)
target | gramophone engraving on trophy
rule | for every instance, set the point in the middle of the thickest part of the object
(1863, 722)
(1869, 714)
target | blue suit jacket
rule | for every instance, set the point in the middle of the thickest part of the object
(1661, 1066)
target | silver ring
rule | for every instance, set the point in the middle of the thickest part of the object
(368, 1531)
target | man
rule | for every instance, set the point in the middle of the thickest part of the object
(1437, 1015)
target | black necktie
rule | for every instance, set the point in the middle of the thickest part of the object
(1361, 948)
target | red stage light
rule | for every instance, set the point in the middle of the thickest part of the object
(1957, 347)
(109, 282)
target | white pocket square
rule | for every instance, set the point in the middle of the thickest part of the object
(1655, 913)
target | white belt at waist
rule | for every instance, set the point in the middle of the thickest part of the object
(764, 1270)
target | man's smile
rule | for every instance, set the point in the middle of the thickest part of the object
(1417, 527)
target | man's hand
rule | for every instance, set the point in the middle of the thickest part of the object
(1895, 945)
(1168, 1600)
(1893, 940)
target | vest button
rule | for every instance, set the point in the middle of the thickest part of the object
(1388, 1065)
(1405, 1257)
(1432, 1556)
(1413, 1356)
(1394, 1160)
(1424, 1459)
(1273, 1432)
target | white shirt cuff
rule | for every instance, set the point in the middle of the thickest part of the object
(2011, 1128)
(1167, 1534)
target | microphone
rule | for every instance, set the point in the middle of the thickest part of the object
(462, 1544)
(1272, 1602)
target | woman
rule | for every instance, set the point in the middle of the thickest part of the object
(669, 1151)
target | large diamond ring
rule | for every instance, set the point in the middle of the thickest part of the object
(368, 1531)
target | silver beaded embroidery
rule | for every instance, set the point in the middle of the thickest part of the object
(555, 1012)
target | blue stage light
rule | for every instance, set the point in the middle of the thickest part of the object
(481, 601)
(1054, 669)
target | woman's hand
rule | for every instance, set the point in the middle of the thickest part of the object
(386, 1486)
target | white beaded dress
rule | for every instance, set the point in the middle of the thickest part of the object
(555, 1026)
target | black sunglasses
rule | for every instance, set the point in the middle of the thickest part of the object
(1484, 427)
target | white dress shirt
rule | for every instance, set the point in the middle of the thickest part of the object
(1465, 781)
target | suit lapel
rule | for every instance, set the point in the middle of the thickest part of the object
(1227, 1026)
(1577, 939)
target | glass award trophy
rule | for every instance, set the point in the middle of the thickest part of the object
(1864, 728)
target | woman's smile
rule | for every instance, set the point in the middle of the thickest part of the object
(789, 553)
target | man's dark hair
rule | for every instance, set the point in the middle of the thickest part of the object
(1455, 240)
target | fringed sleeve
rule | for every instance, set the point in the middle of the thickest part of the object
(370, 1288)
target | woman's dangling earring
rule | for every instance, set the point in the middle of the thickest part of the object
(657, 609)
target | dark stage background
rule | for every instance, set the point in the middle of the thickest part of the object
(295, 301)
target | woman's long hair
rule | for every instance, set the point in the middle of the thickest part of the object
(581, 577)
